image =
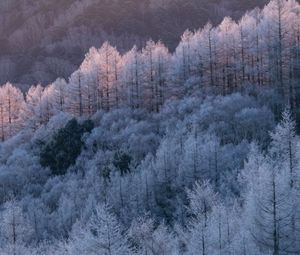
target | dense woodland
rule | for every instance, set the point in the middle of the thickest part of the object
(154, 151)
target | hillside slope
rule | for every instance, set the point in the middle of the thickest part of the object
(154, 151)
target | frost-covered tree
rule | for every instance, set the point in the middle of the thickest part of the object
(269, 210)
(148, 239)
(131, 77)
(108, 76)
(284, 147)
(102, 234)
(16, 231)
(32, 113)
(202, 200)
(59, 95)
(160, 69)
(11, 103)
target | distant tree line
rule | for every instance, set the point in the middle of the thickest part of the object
(43, 40)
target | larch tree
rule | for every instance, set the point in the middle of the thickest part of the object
(228, 45)
(269, 201)
(31, 111)
(89, 68)
(202, 200)
(275, 20)
(160, 75)
(108, 71)
(148, 87)
(59, 95)
(131, 77)
(46, 105)
(16, 231)
(284, 147)
(268, 208)
(76, 92)
(11, 102)
(251, 50)
(101, 235)
(209, 55)
(181, 64)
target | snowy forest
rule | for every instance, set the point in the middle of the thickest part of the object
(155, 151)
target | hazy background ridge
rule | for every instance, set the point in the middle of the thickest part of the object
(45, 39)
